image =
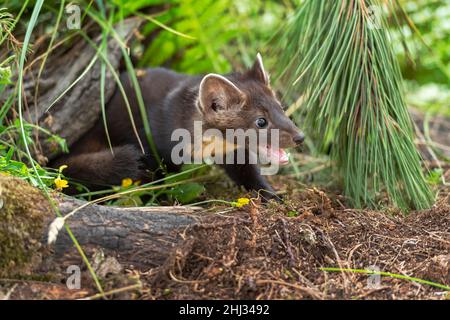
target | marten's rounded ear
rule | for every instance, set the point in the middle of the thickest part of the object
(218, 93)
(258, 72)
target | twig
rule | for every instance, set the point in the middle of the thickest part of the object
(313, 293)
(114, 291)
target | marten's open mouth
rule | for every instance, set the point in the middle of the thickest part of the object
(275, 156)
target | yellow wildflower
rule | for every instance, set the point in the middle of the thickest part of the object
(126, 182)
(61, 168)
(241, 202)
(61, 183)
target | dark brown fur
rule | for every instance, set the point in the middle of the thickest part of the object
(172, 101)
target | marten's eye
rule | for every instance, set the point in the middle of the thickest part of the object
(261, 122)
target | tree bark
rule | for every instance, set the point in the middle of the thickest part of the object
(141, 236)
(76, 110)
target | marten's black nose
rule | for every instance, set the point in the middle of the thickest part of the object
(299, 138)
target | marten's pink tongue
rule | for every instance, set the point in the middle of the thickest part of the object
(278, 156)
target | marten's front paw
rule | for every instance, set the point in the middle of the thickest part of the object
(266, 196)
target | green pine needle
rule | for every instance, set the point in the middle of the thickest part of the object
(389, 274)
(338, 54)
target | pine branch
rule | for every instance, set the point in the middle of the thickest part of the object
(338, 54)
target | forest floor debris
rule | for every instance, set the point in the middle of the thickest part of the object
(277, 252)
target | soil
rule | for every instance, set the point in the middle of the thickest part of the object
(277, 252)
(262, 253)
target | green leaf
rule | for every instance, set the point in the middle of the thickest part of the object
(186, 193)
(434, 177)
(131, 201)
(292, 214)
(5, 75)
(9, 154)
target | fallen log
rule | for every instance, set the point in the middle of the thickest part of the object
(140, 236)
(144, 235)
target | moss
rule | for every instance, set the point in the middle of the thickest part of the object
(22, 215)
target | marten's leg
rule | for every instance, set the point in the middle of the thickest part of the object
(249, 176)
(102, 169)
